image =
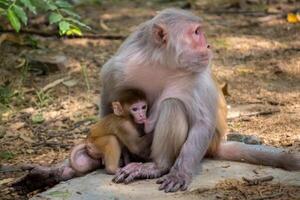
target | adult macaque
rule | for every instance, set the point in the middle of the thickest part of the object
(169, 59)
(129, 111)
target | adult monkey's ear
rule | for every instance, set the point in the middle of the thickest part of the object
(117, 108)
(160, 33)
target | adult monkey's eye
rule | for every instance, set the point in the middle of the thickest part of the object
(198, 30)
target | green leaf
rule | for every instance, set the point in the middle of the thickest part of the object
(74, 31)
(40, 5)
(29, 5)
(64, 26)
(50, 5)
(75, 21)
(13, 19)
(20, 13)
(54, 18)
(7, 155)
(38, 118)
(70, 13)
(2, 11)
(6, 94)
(63, 4)
(4, 4)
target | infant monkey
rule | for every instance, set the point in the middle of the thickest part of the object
(114, 131)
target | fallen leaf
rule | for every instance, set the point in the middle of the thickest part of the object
(30, 151)
(17, 125)
(60, 194)
(244, 71)
(29, 110)
(6, 180)
(293, 18)
(26, 138)
(70, 83)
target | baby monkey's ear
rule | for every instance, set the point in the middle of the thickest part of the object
(117, 108)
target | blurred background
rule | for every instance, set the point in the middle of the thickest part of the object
(51, 56)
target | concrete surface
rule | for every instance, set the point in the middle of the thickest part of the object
(98, 185)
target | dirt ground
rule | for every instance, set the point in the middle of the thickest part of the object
(46, 109)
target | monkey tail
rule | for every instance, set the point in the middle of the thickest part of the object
(80, 161)
(258, 154)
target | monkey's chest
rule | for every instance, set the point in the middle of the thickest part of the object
(159, 83)
(150, 80)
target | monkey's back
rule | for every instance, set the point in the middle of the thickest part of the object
(108, 125)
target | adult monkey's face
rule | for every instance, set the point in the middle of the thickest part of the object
(184, 42)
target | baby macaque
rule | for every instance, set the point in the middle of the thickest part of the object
(108, 136)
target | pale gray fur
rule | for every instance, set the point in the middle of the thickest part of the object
(259, 154)
(171, 87)
(138, 48)
(172, 112)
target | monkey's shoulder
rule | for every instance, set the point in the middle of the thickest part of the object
(110, 124)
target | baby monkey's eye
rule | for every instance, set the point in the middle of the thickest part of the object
(144, 107)
(134, 109)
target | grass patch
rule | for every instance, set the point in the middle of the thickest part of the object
(6, 155)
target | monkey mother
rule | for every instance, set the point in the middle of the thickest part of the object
(169, 59)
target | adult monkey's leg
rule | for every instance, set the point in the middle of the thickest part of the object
(169, 136)
(170, 133)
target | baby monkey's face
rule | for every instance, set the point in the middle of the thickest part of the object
(139, 112)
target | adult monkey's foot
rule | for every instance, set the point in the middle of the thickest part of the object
(39, 177)
(174, 181)
(135, 171)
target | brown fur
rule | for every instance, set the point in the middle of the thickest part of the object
(110, 134)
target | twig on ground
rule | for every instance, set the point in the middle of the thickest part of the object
(259, 113)
(267, 197)
(53, 84)
(244, 12)
(257, 181)
(7, 168)
(55, 34)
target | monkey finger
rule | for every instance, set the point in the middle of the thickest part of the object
(131, 177)
(122, 171)
(161, 180)
(164, 184)
(171, 186)
(184, 186)
(119, 178)
(175, 188)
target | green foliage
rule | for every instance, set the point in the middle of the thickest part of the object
(6, 155)
(38, 118)
(43, 99)
(27, 4)
(59, 13)
(6, 94)
(13, 19)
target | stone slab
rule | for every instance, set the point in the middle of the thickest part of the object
(98, 186)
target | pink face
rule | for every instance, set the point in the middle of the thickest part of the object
(197, 53)
(139, 111)
(201, 45)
